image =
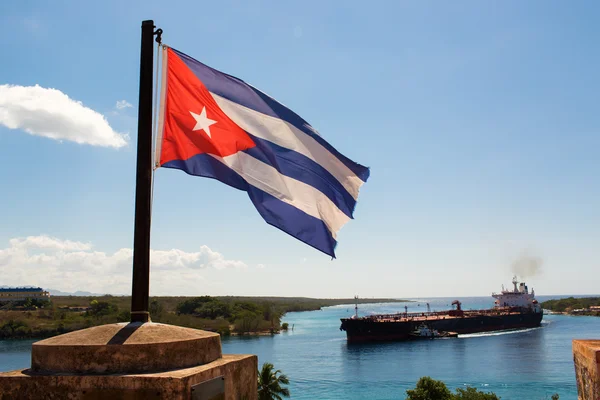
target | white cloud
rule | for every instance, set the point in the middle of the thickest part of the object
(205, 258)
(70, 266)
(47, 242)
(51, 113)
(121, 104)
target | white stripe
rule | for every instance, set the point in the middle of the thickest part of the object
(291, 191)
(287, 135)
(161, 112)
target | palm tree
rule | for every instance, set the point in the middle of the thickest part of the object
(269, 384)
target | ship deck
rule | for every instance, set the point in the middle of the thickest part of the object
(436, 316)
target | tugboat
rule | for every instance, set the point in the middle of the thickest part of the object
(425, 332)
(513, 309)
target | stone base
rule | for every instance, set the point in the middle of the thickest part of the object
(126, 348)
(238, 371)
(133, 361)
(586, 355)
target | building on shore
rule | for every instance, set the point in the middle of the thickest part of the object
(585, 311)
(22, 294)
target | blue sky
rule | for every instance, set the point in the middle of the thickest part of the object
(479, 121)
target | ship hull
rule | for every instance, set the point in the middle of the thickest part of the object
(367, 330)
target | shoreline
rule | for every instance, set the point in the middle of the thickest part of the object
(572, 314)
(67, 314)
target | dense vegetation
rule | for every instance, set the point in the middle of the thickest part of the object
(226, 315)
(571, 303)
(242, 316)
(430, 389)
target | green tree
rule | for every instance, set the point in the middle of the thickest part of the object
(100, 308)
(213, 310)
(124, 316)
(28, 304)
(471, 393)
(31, 303)
(269, 384)
(247, 321)
(272, 314)
(242, 306)
(156, 308)
(14, 328)
(189, 306)
(429, 389)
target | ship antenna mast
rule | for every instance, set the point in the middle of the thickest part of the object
(356, 306)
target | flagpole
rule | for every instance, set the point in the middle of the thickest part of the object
(141, 237)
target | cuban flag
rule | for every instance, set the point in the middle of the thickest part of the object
(215, 125)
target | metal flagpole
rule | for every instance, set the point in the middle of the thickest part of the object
(141, 237)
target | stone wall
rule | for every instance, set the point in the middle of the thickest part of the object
(239, 372)
(131, 361)
(586, 356)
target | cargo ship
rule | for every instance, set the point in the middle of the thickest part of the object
(513, 309)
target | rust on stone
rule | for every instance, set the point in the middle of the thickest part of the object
(586, 357)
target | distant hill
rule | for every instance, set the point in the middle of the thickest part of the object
(55, 292)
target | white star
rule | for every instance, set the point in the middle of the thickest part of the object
(203, 122)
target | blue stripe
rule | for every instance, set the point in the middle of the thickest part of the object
(209, 167)
(240, 92)
(293, 221)
(303, 169)
(275, 212)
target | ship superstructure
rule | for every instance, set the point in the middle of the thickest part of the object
(518, 297)
(513, 309)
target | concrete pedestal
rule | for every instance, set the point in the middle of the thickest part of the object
(133, 361)
(586, 356)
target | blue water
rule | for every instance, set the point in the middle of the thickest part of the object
(529, 364)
